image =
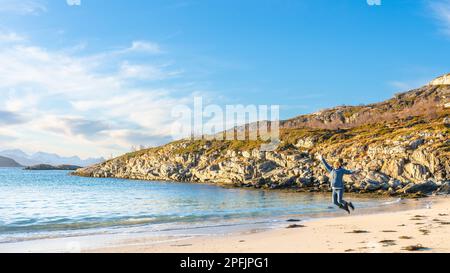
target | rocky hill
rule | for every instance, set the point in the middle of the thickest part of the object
(425, 101)
(401, 145)
(6, 162)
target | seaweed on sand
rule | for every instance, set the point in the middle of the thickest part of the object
(388, 243)
(296, 226)
(425, 231)
(417, 247)
(358, 231)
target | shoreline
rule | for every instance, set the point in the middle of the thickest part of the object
(124, 236)
(310, 190)
(388, 231)
(247, 237)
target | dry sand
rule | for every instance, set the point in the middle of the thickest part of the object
(384, 232)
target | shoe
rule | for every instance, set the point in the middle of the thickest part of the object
(345, 208)
(350, 204)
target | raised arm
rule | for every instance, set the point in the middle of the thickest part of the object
(325, 163)
(349, 172)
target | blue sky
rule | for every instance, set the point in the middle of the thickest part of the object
(97, 78)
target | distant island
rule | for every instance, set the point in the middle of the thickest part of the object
(6, 162)
(46, 167)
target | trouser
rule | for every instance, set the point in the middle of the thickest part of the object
(338, 195)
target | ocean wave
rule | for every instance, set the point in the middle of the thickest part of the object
(397, 201)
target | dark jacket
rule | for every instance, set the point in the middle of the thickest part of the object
(337, 175)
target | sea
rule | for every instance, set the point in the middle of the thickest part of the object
(49, 205)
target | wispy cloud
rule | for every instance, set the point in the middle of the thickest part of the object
(22, 7)
(10, 118)
(65, 102)
(409, 84)
(146, 47)
(10, 37)
(441, 11)
(147, 72)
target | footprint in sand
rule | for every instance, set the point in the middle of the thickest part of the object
(389, 231)
(405, 237)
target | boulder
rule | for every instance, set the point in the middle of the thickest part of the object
(416, 172)
(447, 121)
(395, 184)
(287, 182)
(323, 179)
(267, 166)
(259, 155)
(394, 167)
(305, 182)
(425, 188)
(444, 188)
(246, 154)
(372, 186)
(307, 142)
(416, 143)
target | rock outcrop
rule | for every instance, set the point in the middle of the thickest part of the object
(405, 154)
(443, 80)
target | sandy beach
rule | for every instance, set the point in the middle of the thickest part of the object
(427, 228)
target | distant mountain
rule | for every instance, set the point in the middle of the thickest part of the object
(47, 158)
(19, 156)
(6, 162)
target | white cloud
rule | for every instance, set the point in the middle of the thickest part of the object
(10, 37)
(441, 11)
(90, 106)
(144, 46)
(146, 72)
(22, 7)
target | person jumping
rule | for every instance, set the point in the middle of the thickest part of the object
(337, 183)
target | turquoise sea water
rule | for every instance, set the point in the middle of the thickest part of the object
(52, 204)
